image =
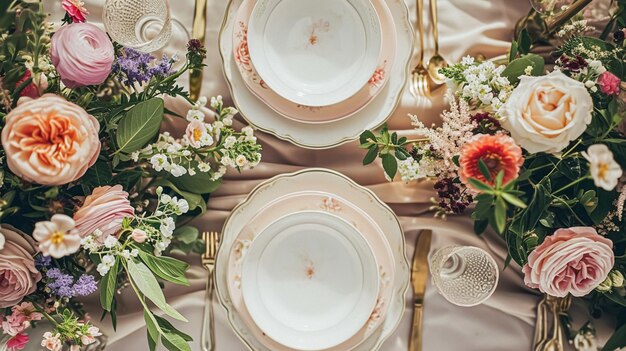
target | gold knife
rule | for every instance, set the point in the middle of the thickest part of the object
(419, 276)
(197, 32)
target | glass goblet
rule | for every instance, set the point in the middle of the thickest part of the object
(144, 25)
(465, 275)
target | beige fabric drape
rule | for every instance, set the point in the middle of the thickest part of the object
(504, 322)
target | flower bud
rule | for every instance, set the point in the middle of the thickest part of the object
(617, 278)
(139, 235)
(605, 286)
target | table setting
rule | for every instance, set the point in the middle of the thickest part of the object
(296, 175)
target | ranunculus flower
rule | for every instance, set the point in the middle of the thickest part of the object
(18, 342)
(572, 261)
(609, 83)
(58, 236)
(498, 152)
(49, 140)
(18, 275)
(545, 113)
(36, 87)
(82, 54)
(603, 168)
(104, 210)
(75, 9)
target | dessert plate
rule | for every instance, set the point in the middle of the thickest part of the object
(310, 280)
(308, 201)
(316, 180)
(315, 53)
(324, 135)
(309, 114)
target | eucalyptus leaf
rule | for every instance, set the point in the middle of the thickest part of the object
(149, 286)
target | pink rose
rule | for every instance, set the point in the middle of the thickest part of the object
(82, 54)
(75, 9)
(49, 140)
(18, 342)
(609, 83)
(572, 261)
(104, 210)
(18, 276)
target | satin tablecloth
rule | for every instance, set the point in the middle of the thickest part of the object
(504, 322)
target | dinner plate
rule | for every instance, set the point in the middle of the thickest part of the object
(310, 280)
(315, 53)
(306, 201)
(309, 114)
(334, 133)
(319, 180)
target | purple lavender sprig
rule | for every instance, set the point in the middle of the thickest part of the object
(64, 286)
(138, 67)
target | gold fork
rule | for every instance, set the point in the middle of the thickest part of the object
(212, 240)
(419, 86)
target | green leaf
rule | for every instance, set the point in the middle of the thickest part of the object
(480, 186)
(499, 179)
(367, 135)
(371, 155)
(517, 67)
(400, 155)
(200, 183)
(139, 125)
(166, 268)
(390, 165)
(127, 179)
(174, 342)
(455, 159)
(524, 41)
(108, 286)
(98, 175)
(513, 51)
(153, 332)
(482, 167)
(513, 200)
(394, 138)
(186, 234)
(500, 215)
(149, 286)
(166, 326)
(480, 226)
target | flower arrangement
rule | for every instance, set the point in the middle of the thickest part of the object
(538, 154)
(93, 195)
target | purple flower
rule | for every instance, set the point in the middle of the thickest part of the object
(42, 261)
(138, 67)
(63, 285)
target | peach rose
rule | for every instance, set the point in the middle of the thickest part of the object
(82, 54)
(572, 261)
(544, 114)
(49, 140)
(104, 210)
(18, 275)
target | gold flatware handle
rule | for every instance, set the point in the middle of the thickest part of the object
(420, 29)
(208, 328)
(415, 342)
(197, 32)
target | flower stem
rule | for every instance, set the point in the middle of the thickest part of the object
(571, 184)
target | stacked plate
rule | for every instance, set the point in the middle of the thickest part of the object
(316, 73)
(312, 261)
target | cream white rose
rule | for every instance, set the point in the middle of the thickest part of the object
(544, 114)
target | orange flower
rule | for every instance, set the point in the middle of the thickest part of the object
(498, 152)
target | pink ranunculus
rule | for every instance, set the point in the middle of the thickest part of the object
(18, 342)
(50, 140)
(18, 275)
(104, 210)
(82, 54)
(609, 83)
(571, 261)
(15, 324)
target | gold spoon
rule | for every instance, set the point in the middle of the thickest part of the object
(436, 62)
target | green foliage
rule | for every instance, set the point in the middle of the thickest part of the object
(517, 68)
(387, 146)
(139, 125)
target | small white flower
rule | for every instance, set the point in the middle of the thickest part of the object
(183, 205)
(216, 102)
(250, 138)
(227, 161)
(230, 112)
(167, 227)
(191, 172)
(158, 162)
(229, 142)
(228, 121)
(528, 70)
(110, 242)
(178, 170)
(204, 167)
(134, 253)
(134, 156)
(241, 161)
(248, 131)
(165, 199)
(604, 170)
(218, 125)
(590, 84)
(126, 254)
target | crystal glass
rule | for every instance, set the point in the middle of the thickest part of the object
(550, 7)
(465, 275)
(145, 25)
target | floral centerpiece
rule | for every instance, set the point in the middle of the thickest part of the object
(93, 197)
(537, 154)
